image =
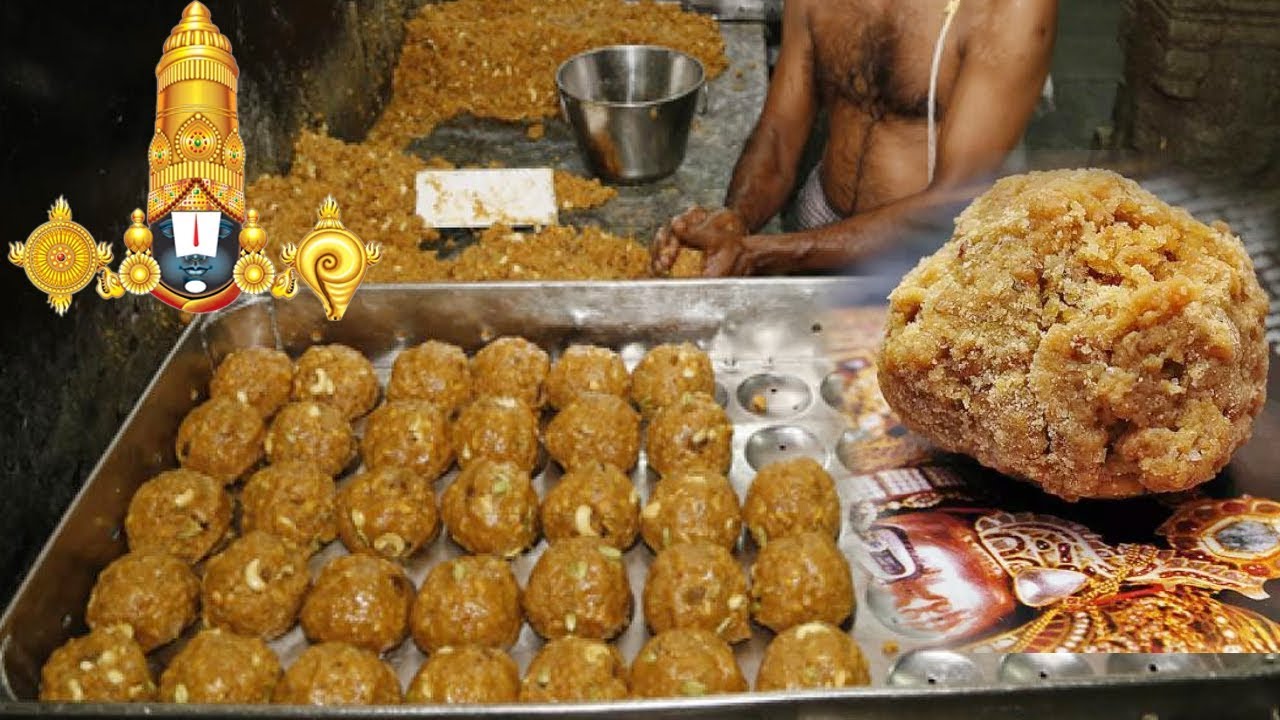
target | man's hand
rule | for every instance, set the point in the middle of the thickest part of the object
(718, 233)
(666, 244)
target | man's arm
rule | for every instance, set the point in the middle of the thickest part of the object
(766, 170)
(1000, 78)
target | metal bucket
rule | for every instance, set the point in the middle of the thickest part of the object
(631, 107)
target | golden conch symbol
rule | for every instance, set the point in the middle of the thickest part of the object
(331, 260)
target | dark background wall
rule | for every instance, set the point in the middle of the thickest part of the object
(77, 109)
(1201, 85)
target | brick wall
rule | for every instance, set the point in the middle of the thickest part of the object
(1201, 84)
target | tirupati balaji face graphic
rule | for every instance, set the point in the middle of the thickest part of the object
(990, 580)
(196, 205)
(196, 252)
(932, 580)
(199, 247)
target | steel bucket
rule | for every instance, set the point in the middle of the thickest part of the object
(631, 107)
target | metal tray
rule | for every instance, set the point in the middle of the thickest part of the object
(763, 336)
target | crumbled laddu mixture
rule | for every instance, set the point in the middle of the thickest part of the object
(498, 59)
(1080, 333)
(375, 187)
(554, 253)
(561, 253)
(493, 59)
(574, 192)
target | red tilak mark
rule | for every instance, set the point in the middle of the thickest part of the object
(195, 242)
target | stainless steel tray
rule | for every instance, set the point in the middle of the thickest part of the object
(762, 335)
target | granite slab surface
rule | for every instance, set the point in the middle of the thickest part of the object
(733, 104)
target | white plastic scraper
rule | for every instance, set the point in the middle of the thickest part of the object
(480, 198)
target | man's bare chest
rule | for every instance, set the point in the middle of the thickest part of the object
(877, 57)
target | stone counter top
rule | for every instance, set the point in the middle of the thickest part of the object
(716, 138)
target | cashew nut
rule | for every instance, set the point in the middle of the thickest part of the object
(180, 693)
(389, 543)
(651, 510)
(184, 498)
(808, 629)
(724, 625)
(570, 622)
(582, 521)
(323, 384)
(253, 576)
(737, 602)
(610, 552)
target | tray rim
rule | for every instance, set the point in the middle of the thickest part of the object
(1261, 678)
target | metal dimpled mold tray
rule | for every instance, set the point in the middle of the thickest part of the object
(776, 383)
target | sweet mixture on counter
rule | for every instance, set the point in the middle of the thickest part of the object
(488, 59)
(495, 59)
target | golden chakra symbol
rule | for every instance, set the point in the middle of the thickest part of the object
(61, 258)
(331, 260)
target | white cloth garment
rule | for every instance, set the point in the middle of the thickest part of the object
(812, 208)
